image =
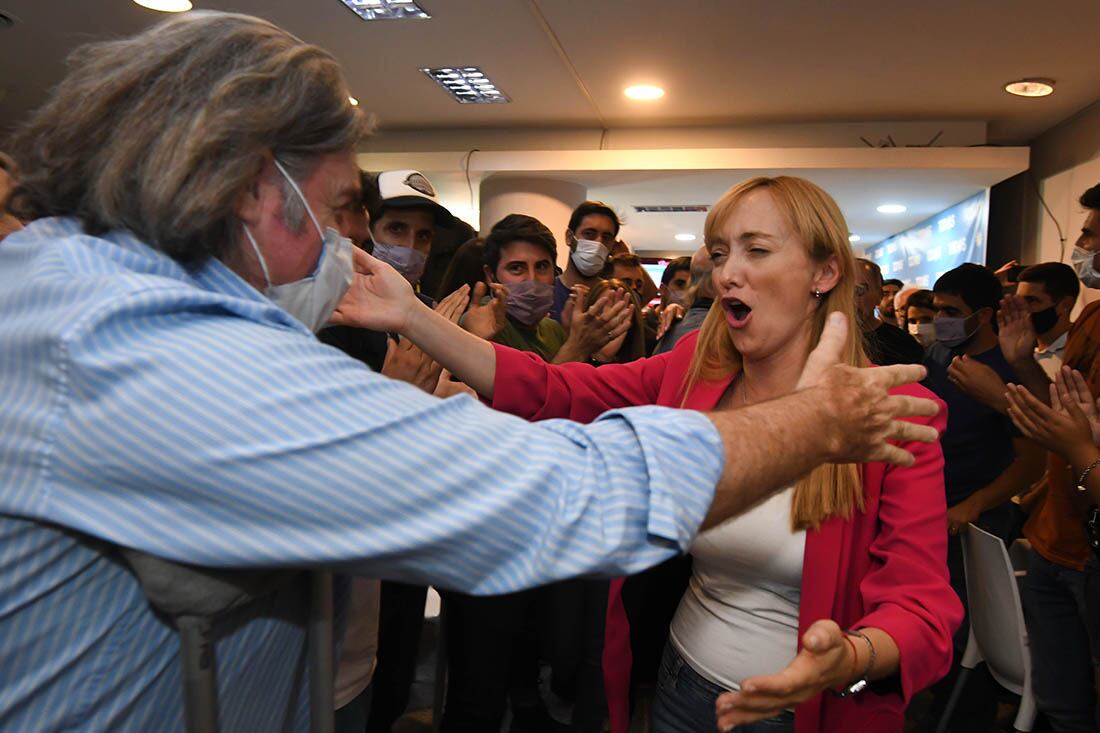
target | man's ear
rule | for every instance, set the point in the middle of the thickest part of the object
(250, 202)
(1065, 305)
(571, 240)
(488, 274)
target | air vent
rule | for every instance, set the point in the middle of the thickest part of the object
(467, 85)
(386, 9)
(680, 209)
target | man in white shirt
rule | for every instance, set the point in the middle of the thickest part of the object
(1050, 291)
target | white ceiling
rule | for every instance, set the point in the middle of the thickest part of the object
(725, 63)
(722, 61)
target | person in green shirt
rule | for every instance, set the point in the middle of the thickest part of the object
(520, 252)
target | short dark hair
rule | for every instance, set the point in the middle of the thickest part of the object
(588, 208)
(1091, 199)
(626, 260)
(920, 299)
(893, 281)
(680, 264)
(975, 284)
(873, 267)
(514, 228)
(1058, 279)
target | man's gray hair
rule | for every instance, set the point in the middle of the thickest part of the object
(162, 133)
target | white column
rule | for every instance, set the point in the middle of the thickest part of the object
(548, 200)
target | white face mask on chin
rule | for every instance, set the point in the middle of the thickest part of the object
(312, 299)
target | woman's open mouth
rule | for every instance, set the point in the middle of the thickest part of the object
(737, 312)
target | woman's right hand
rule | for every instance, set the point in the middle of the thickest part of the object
(379, 298)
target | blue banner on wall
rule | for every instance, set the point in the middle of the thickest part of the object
(918, 256)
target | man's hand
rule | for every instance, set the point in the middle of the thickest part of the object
(1065, 427)
(409, 364)
(979, 381)
(825, 661)
(595, 327)
(454, 305)
(1003, 271)
(860, 414)
(672, 313)
(489, 319)
(379, 298)
(448, 387)
(960, 516)
(1016, 333)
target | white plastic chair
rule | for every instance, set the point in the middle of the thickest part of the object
(998, 636)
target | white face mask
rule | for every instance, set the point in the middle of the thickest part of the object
(589, 257)
(924, 333)
(1082, 262)
(312, 299)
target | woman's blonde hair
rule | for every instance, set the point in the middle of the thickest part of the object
(162, 132)
(829, 490)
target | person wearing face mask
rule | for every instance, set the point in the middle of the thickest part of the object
(986, 460)
(592, 231)
(919, 316)
(1049, 290)
(675, 282)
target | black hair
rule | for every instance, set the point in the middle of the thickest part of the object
(893, 281)
(1058, 279)
(588, 208)
(975, 284)
(1091, 199)
(513, 228)
(464, 268)
(680, 264)
(919, 299)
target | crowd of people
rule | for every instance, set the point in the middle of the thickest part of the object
(689, 505)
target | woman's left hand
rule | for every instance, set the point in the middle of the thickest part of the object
(825, 661)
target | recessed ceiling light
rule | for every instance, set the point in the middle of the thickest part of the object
(354, 101)
(891, 209)
(853, 237)
(386, 9)
(166, 6)
(467, 85)
(644, 92)
(685, 237)
(1031, 87)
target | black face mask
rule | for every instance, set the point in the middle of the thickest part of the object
(1044, 320)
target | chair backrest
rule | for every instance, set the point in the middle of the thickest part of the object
(996, 617)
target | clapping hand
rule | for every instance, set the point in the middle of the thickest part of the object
(1016, 333)
(488, 319)
(1070, 425)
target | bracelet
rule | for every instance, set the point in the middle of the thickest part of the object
(855, 661)
(1085, 475)
(870, 662)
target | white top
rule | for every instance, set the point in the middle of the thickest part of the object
(739, 615)
(360, 649)
(1050, 358)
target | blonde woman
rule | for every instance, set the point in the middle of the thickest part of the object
(826, 606)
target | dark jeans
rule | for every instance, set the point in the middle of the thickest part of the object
(575, 648)
(1092, 616)
(685, 702)
(400, 618)
(492, 653)
(1061, 665)
(352, 718)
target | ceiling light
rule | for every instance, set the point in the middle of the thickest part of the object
(354, 101)
(467, 85)
(853, 237)
(685, 237)
(166, 6)
(891, 209)
(386, 9)
(644, 92)
(1031, 87)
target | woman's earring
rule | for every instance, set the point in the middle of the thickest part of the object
(817, 293)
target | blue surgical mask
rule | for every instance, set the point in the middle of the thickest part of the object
(406, 260)
(312, 299)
